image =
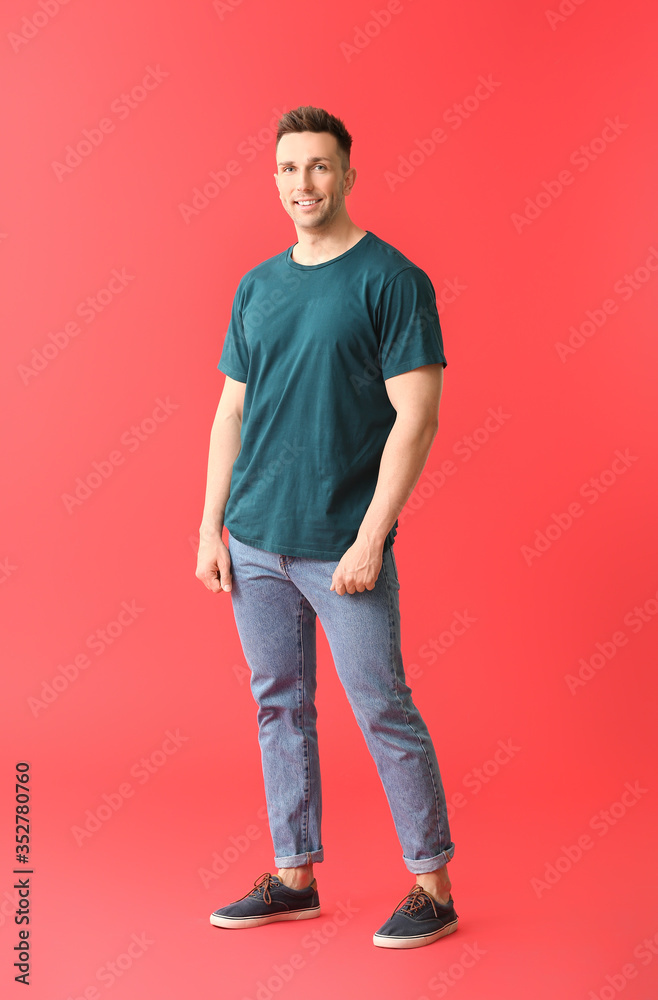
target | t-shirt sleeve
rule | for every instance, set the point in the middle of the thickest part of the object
(408, 324)
(234, 359)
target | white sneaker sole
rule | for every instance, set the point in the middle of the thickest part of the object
(235, 922)
(386, 941)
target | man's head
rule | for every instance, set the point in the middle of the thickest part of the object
(309, 119)
(313, 165)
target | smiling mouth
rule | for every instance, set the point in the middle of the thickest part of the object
(307, 202)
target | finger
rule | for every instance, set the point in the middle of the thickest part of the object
(210, 582)
(205, 577)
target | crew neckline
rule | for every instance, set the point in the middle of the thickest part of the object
(323, 263)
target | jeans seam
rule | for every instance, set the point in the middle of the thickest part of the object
(391, 620)
(301, 702)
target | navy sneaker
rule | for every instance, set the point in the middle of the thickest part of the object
(418, 919)
(270, 900)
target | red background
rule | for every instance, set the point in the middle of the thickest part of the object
(178, 665)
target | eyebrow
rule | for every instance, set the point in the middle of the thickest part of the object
(311, 159)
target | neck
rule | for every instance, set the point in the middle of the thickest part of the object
(318, 246)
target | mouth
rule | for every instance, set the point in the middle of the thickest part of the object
(307, 203)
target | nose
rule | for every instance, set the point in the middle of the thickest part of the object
(304, 181)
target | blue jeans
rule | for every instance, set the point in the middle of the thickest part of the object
(276, 600)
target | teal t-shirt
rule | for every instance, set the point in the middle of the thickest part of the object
(314, 344)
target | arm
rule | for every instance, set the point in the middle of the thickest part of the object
(214, 561)
(416, 396)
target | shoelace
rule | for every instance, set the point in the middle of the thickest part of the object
(262, 885)
(414, 900)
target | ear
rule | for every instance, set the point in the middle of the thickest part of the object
(349, 179)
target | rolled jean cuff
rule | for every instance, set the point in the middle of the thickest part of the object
(423, 865)
(297, 860)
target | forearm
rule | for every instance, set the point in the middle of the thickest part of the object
(405, 453)
(224, 449)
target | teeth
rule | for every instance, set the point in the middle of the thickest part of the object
(308, 202)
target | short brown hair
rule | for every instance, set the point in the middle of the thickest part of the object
(309, 119)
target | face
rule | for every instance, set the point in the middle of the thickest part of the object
(312, 185)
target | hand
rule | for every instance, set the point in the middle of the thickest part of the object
(358, 568)
(213, 566)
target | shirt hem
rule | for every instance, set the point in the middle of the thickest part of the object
(232, 372)
(296, 550)
(407, 366)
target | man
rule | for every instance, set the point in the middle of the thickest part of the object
(334, 366)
